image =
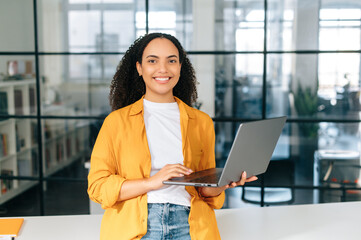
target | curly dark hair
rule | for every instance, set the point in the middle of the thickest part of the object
(127, 86)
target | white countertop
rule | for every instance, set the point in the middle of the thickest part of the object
(330, 221)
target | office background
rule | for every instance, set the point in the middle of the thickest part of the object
(254, 59)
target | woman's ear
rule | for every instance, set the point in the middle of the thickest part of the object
(139, 68)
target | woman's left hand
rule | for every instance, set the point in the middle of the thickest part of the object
(242, 181)
(212, 192)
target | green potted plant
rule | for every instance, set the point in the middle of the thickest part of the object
(306, 104)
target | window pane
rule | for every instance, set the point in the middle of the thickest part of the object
(67, 146)
(17, 85)
(294, 89)
(52, 26)
(239, 93)
(84, 91)
(293, 25)
(296, 148)
(341, 23)
(239, 25)
(178, 15)
(66, 198)
(25, 202)
(18, 156)
(84, 31)
(107, 26)
(204, 69)
(280, 23)
(304, 196)
(236, 94)
(119, 30)
(16, 25)
(339, 87)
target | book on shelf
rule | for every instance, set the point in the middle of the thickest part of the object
(32, 100)
(21, 68)
(77, 145)
(68, 147)
(47, 131)
(20, 140)
(59, 152)
(24, 166)
(6, 184)
(17, 138)
(34, 162)
(18, 101)
(10, 227)
(34, 133)
(3, 145)
(47, 157)
(3, 105)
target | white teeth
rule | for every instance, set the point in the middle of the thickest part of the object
(162, 79)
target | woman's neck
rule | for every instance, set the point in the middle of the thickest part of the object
(159, 98)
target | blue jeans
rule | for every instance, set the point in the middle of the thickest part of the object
(167, 221)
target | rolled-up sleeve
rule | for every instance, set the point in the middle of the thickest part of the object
(209, 161)
(104, 183)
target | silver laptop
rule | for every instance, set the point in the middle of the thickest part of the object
(251, 151)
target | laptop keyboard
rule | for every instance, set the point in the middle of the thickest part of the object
(208, 179)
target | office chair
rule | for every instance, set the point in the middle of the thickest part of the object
(279, 173)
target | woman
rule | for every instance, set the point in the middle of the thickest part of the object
(153, 135)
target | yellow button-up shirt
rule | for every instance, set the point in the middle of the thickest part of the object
(121, 152)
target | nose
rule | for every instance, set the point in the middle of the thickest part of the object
(162, 67)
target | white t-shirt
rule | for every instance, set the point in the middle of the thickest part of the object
(162, 124)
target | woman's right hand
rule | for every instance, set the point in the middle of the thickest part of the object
(167, 172)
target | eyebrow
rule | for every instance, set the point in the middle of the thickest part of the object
(154, 56)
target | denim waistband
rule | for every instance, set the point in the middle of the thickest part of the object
(167, 221)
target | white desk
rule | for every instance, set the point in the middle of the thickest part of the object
(323, 221)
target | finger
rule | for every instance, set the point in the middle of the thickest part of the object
(243, 179)
(182, 168)
(251, 179)
(173, 175)
(180, 172)
(224, 187)
(177, 168)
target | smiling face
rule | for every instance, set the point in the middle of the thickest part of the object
(160, 69)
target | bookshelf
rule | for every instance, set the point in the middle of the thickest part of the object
(64, 141)
(17, 97)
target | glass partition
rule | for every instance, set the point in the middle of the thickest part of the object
(77, 85)
(239, 25)
(16, 26)
(306, 67)
(70, 202)
(17, 85)
(87, 26)
(299, 89)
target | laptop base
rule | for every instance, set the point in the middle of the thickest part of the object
(206, 178)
